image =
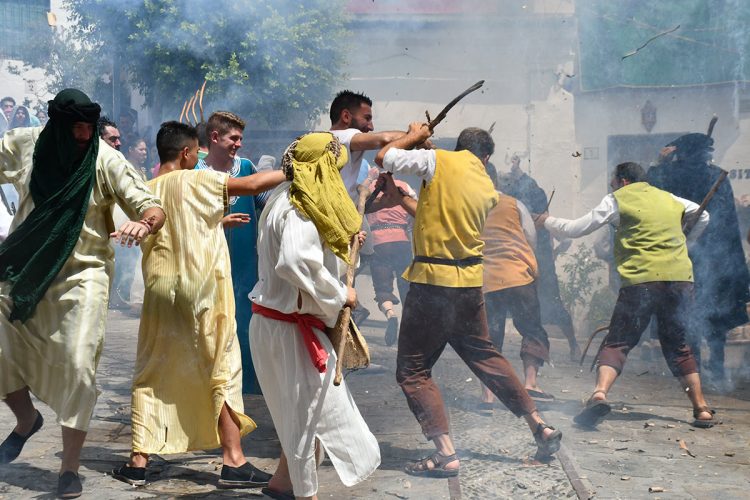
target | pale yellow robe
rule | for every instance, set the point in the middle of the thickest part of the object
(188, 362)
(56, 351)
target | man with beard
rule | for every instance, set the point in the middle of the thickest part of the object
(721, 275)
(55, 268)
(525, 189)
(109, 132)
(351, 123)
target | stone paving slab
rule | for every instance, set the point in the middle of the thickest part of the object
(637, 447)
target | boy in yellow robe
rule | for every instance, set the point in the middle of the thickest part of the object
(187, 386)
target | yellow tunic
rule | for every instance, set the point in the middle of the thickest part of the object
(188, 363)
(56, 351)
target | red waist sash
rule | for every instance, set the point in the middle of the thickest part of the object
(305, 324)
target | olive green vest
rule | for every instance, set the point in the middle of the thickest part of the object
(649, 242)
(451, 212)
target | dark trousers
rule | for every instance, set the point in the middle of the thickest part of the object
(522, 303)
(670, 302)
(433, 317)
(389, 260)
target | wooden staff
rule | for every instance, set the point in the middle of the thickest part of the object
(546, 208)
(690, 221)
(184, 106)
(187, 110)
(591, 338)
(441, 116)
(345, 315)
(195, 101)
(200, 99)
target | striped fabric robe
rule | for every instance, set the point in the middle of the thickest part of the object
(188, 361)
(56, 351)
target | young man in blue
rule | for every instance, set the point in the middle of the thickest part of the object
(225, 133)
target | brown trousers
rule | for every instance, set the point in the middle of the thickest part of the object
(522, 303)
(434, 316)
(670, 301)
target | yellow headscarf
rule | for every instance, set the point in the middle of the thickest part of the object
(317, 190)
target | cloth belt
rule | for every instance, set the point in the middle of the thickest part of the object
(305, 324)
(376, 227)
(465, 262)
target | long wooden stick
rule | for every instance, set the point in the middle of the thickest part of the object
(182, 113)
(690, 222)
(200, 99)
(195, 101)
(434, 122)
(546, 209)
(591, 338)
(342, 323)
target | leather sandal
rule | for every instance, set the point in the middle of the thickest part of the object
(437, 461)
(593, 412)
(546, 446)
(703, 423)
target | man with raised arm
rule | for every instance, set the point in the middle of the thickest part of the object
(445, 304)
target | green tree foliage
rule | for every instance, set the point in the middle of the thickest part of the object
(580, 270)
(66, 61)
(274, 62)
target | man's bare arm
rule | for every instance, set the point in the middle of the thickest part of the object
(417, 134)
(374, 140)
(255, 183)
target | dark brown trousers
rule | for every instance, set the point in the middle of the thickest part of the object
(522, 303)
(670, 301)
(433, 317)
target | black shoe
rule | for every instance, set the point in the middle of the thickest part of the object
(69, 485)
(131, 475)
(244, 476)
(391, 331)
(13, 444)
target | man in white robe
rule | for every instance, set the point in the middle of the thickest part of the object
(303, 240)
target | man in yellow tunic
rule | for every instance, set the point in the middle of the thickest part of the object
(445, 304)
(55, 270)
(187, 386)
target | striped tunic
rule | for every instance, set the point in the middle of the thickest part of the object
(56, 351)
(188, 362)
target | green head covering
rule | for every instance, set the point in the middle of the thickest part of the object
(62, 177)
(313, 162)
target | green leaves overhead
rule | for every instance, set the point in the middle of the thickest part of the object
(274, 62)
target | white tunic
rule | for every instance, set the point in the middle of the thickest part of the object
(296, 274)
(56, 351)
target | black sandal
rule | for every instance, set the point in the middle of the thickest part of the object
(593, 412)
(135, 476)
(438, 461)
(546, 447)
(702, 423)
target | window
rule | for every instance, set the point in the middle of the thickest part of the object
(21, 21)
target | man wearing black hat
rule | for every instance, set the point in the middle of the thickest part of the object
(55, 270)
(721, 275)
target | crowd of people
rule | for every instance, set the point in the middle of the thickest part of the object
(244, 275)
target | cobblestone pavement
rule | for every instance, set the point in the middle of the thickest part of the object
(636, 448)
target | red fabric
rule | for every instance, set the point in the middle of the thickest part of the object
(305, 323)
